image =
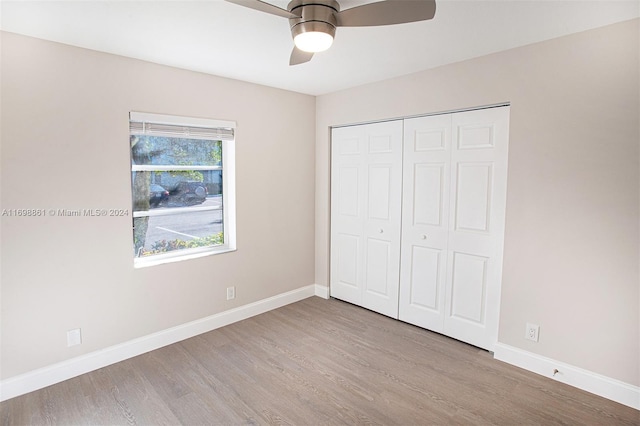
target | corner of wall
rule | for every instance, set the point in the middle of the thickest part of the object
(321, 291)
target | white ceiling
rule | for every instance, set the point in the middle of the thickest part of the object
(228, 40)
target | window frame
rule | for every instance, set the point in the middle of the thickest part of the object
(228, 185)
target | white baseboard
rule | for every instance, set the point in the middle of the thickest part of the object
(322, 291)
(46, 376)
(604, 386)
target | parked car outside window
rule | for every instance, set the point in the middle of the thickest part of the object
(157, 195)
(188, 193)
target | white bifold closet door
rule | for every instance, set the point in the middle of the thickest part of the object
(366, 194)
(417, 220)
(454, 199)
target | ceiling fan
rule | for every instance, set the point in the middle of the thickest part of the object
(313, 22)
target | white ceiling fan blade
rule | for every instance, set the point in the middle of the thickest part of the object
(387, 12)
(299, 56)
(264, 7)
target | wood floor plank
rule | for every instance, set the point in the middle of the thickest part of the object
(314, 362)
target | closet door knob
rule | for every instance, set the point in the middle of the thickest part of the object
(424, 237)
(381, 230)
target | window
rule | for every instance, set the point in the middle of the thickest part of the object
(182, 180)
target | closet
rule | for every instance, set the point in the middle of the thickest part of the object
(417, 219)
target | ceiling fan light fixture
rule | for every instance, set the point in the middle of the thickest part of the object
(313, 23)
(313, 36)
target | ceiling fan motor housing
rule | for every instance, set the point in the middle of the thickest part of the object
(315, 15)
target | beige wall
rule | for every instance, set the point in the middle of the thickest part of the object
(572, 227)
(65, 144)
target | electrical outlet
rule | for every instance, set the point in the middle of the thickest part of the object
(532, 331)
(231, 293)
(74, 337)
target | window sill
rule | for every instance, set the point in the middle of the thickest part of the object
(179, 257)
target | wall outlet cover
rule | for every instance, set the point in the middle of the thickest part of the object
(532, 332)
(231, 293)
(74, 337)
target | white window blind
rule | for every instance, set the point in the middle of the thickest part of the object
(174, 126)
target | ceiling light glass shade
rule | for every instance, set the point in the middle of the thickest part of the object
(313, 36)
(314, 41)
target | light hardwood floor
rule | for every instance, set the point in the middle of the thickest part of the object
(314, 362)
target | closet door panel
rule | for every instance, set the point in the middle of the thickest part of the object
(426, 267)
(348, 175)
(348, 248)
(477, 208)
(379, 192)
(473, 196)
(366, 179)
(377, 267)
(468, 288)
(425, 220)
(428, 191)
(347, 188)
(383, 217)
